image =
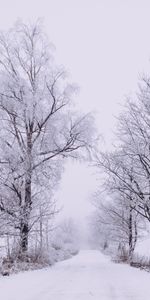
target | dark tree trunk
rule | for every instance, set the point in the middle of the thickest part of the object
(131, 244)
(24, 237)
(130, 235)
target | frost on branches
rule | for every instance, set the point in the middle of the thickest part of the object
(38, 130)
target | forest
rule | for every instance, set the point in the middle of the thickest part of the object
(74, 150)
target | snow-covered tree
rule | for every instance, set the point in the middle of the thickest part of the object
(116, 224)
(38, 127)
(127, 167)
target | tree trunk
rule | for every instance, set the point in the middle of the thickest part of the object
(41, 231)
(27, 205)
(47, 235)
(135, 233)
(130, 235)
(24, 232)
(24, 237)
(131, 246)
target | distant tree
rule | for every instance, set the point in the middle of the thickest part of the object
(116, 223)
(66, 237)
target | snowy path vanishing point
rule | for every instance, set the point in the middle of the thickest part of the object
(89, 275)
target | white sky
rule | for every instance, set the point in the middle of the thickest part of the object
(105, 45)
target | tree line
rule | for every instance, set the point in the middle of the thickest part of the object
(127, 174)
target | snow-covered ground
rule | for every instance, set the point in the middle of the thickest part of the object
(89, 275)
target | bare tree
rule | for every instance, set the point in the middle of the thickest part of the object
(127, 167)
(116, 223)
(38, 127)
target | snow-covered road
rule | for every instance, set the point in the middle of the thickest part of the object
(89, 275)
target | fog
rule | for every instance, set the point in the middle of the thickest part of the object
(105, 46)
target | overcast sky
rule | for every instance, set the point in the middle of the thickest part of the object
(105, 45)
